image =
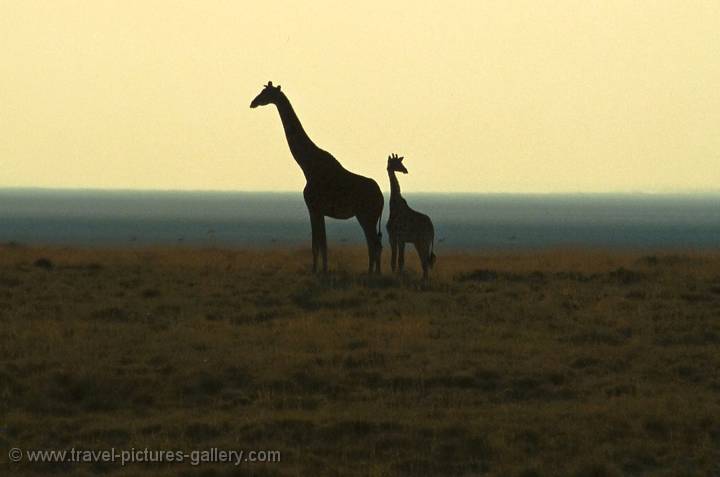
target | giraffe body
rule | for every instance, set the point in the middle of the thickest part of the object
(330, 190)
(406, 225)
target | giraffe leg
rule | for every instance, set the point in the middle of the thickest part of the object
(322, 244)
(401, 256)
(394, 253)
(373, 245)
(317, 222)
(423, 250)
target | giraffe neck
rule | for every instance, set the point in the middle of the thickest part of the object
(394, 186)
(300, 144)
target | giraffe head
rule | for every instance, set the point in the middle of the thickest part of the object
(395, 164)
(268, 95)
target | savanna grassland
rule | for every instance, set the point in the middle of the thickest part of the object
(538, 363)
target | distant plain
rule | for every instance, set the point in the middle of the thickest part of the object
(260, 219)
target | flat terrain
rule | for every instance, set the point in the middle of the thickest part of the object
(544, 363)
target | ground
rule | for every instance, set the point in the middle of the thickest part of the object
(536, 363)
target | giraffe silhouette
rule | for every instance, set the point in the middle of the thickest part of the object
(331, 190)
(407, 225)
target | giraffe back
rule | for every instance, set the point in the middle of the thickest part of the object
(408, 225)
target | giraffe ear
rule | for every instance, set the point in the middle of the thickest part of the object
(401, 158)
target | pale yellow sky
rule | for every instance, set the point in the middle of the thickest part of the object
(480, 96)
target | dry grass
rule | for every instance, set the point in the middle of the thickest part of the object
(565, 362)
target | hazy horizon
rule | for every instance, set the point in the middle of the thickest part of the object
(480, 97)
(462, 221)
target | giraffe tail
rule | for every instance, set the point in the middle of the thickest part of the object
(380, 229)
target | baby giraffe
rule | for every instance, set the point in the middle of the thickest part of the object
(407, 225)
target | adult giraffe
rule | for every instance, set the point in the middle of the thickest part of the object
(331, 190)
